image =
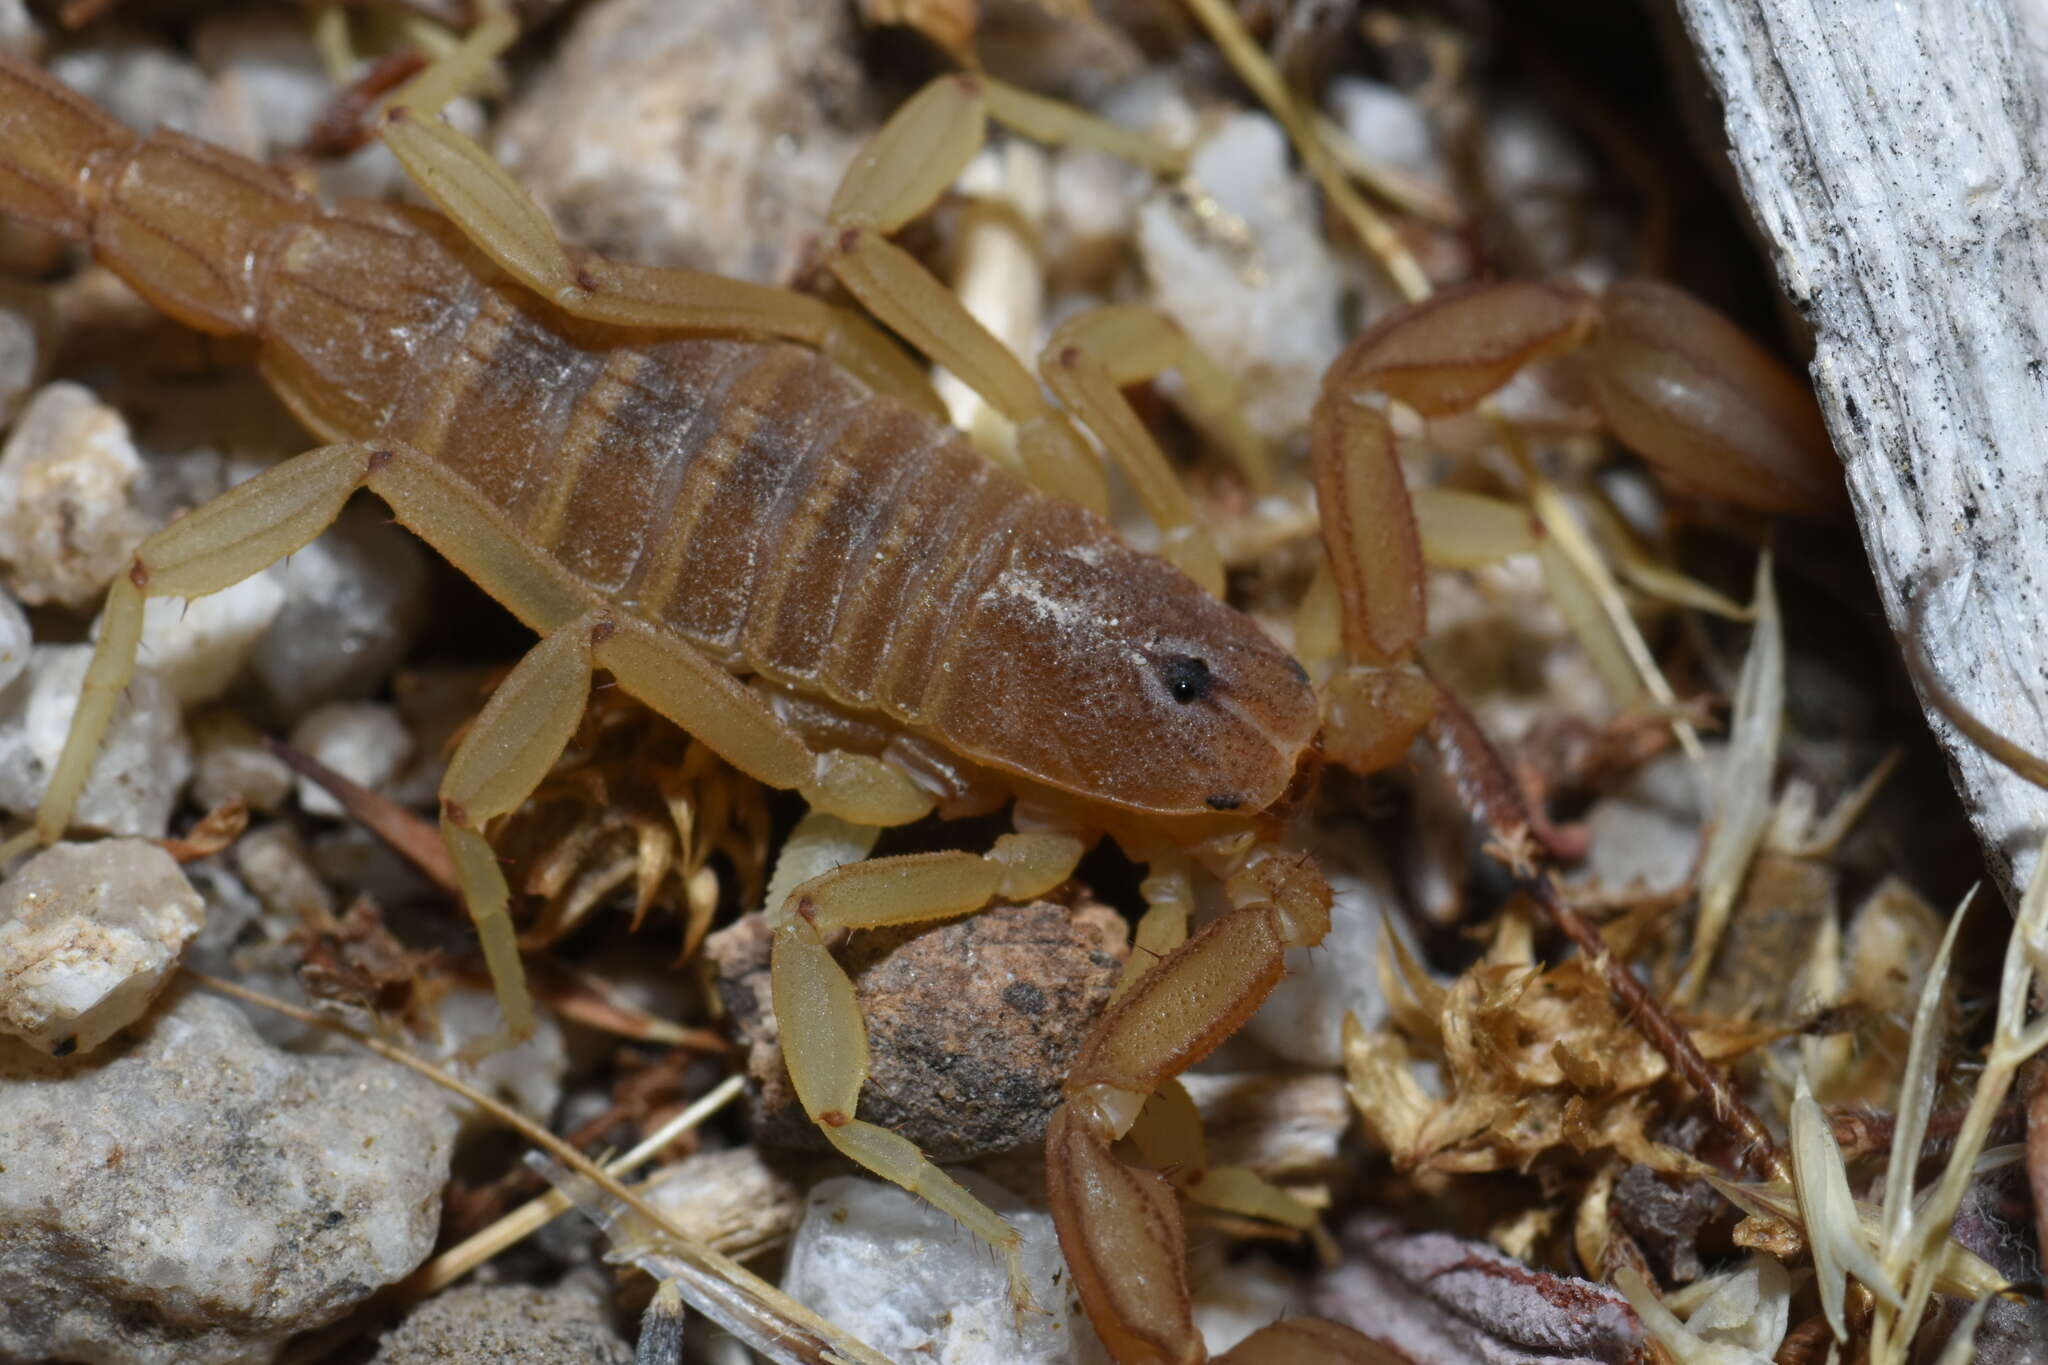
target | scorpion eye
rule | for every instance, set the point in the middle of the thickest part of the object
(1186, 677)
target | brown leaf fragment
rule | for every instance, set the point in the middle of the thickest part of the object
(216, 829)
(1441, 1300)
(355, 960)
(412, 838)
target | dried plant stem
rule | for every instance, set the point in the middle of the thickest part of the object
(723, 1290)
(465, 1256)
(414, 839)
(1491, 794)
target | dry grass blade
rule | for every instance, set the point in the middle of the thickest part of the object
(728, 1293)
(412, 838)
(1742, 797)
(1916, 1092)
(452, 1264)
(1834, 1232)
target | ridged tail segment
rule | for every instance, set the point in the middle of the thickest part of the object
(51, 137)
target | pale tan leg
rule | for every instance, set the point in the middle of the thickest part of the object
(1169, 1134)
(824, 1039)
(236, 535)
(480, 198)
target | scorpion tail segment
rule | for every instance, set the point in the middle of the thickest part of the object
(1690, 392)
(51, 140)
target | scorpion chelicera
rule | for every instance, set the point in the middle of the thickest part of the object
(741, 503)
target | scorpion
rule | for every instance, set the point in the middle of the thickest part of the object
(742, 503)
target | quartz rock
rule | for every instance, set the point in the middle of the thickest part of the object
(196, 1196)
(230, 763)
(24, 318)
(528, 1077)
(508, 1324)
(66, 523)
(710, 135)
(89, 933)
(197, 646)
(1303, 1019)
(15, 640)
(141, 766)
(1262, 298)
(365, 742)
(355, 601)
(903, 1277)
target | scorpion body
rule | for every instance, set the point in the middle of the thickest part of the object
(619, 457)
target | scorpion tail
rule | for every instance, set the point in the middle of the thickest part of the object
(50, 138)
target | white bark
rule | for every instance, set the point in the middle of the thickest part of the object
(1891, 151)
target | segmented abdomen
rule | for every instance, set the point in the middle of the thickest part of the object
(752, 497)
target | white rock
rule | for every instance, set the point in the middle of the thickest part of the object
(145, 87)
(711, 135)
(229, 762)
(356, 598)
(1646, 835)
(1303, 1019)
(197, 647)
(141, 767)
(198, 1196)
(1261, 295)
(1233, 1301)
(19, 36)
(22, 349)
(910, 1282)
(527, 1077)
(89, 933)
(1389, 124)
(66, 522)
(364, 741)
(15, 640)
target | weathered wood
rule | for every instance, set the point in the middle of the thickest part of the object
(1892, 156)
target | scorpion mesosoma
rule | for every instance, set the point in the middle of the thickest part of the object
(639, 465)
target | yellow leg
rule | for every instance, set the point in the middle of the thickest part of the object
(518, 736)
(824, 1039)
(504, 222)
(898, 176)
(236, 535)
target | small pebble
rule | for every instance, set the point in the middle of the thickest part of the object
(23, 318)
(971, 1025)
(141, 767)
(19, 36)
(528, 1077)
(1252, 280)
(1646, 834)
(508, 1324)
(89, 933)
(144, 86)
(1303, 1019)
(67, 525)
(710, 135)
(198, 646)
(196, 1196)
(364, 741)
(907, 1280)
(356, 599)
(15, 640)
(230, 763)
(1391, 124)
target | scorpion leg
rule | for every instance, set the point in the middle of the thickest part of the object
(824, 1039)
(481, 198)
(517, 737)
(899, 175)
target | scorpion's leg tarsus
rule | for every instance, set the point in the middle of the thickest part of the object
(1168, 1134)
(517, 737)
(216, 546)
(824, 1039)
